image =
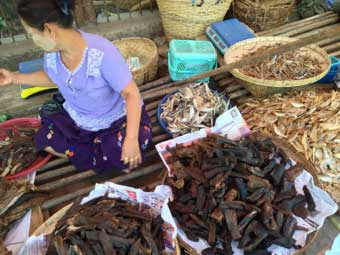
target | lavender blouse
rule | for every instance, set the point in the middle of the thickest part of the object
(92, 90)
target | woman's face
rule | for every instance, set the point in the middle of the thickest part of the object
(43, 39)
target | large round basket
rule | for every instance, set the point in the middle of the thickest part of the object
(147, 52)
(298, 157)
(183, 19)
(260, 87)
(263, 15)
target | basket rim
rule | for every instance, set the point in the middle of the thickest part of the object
(153, 58)
(274, 83)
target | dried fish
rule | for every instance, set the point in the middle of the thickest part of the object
(108, 226)
(192, 109)
(219, 209)
(16, 198)
(294, 65)
(17, 152)
(309, 121)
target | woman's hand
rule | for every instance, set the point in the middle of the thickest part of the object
(131, 153)
(6, 77)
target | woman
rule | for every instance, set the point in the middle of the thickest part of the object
(104, 124)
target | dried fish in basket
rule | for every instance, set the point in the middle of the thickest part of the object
(191, 109)
(16, 198)
(17, 152)
(237, 191)
(310, 122)
(280, 73)
(107, 226)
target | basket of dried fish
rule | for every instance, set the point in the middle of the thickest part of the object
(310, 122)
(123, 220)
(253, 195)
(281, 72)
(191, 109)
(17, 197)
(18, 156)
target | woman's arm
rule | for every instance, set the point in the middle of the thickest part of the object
(131, 152)
(38, 79)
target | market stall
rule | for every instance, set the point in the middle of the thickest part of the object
(226, 195)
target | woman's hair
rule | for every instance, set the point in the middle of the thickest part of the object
(38, 12)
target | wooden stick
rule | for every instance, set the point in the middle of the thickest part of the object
(52, 164)
(311, 27)
(152, 105)
(155, 83)
(123, 178)
(160, 138)
(322, 31)
(258, 57)
(67, 180)
(232, 88)
(296, 24)
(332, 47)
(55, 173)
(328, 41)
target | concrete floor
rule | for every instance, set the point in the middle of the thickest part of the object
(325, 237)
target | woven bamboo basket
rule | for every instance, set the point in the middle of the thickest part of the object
(147, 52)
(262, 88)
(183, 20)
(263, 14)
(296, 156)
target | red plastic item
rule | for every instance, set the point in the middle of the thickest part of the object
(26, 123)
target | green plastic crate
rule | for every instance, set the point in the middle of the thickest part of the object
(187, 58)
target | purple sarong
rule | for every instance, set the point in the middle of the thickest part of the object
(100, 151)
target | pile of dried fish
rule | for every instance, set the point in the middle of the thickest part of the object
(106, 226)
(309, 121)
(192, 109)
(226, 190)
(16, 198)
(294, 65)
(17, 153)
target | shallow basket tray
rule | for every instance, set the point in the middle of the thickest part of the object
(163, 123)
(147, 52)
(261, 87)
(293, 154)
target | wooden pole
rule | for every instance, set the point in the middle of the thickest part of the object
(310, 27)
(123, 178)
(256, 58)
(297, 24)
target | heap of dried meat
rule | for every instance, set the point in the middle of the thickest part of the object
(108, 226)
(309, 121)
(226, 190)
(17, 152)
(193, 108)
(294, 65)
(16, 198)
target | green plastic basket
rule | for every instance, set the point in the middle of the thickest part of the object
(187, 58)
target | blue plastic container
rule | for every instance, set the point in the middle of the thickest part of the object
(187, 58)
(334, 64)
(329, 77)
(163, 123)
